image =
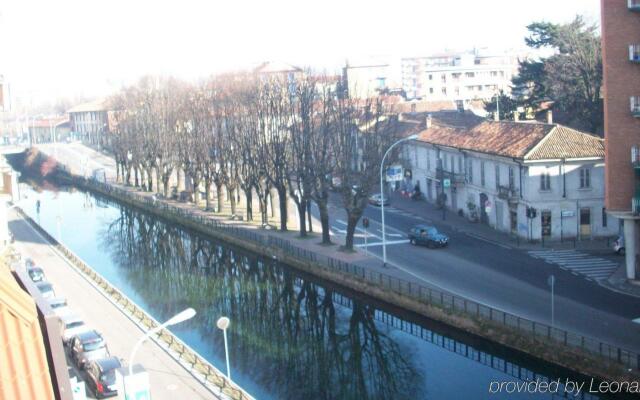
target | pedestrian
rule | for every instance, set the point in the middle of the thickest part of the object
(38, 206)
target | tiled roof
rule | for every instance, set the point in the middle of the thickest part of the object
(97, 105)
(524, 140)
(567, 143)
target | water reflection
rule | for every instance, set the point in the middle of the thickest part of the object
(288, 334)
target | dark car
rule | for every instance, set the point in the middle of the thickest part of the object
(426, 235)
(35, 273)
(87, 346)
(101, 376)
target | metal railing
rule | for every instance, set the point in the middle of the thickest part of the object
(426, 295)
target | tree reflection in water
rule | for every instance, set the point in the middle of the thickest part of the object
(288, 336)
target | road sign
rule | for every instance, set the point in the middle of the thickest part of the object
(394, 173)
(446, 182)
(568, 213)
(365, 222)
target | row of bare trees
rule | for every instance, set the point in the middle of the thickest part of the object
(254, 135)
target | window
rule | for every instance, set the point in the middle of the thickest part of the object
(604, 217)
(585, 178)
(545, 181)
(460, 170)
(428, 160)
(482, 173)
(444, 91)
(470, 74)
(497, 176)
(444, 78)
(431, 90)
(470, 171)
(430, 77)
(512, 178)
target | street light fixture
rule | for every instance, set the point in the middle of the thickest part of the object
(384, 235)
(223, 324)
(176, 319)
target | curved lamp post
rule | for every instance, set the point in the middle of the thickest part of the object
(176, 319)
(384, 235)
(223, 324)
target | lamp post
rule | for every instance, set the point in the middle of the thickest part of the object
(384, 235)
(223, 324)
(176, 319)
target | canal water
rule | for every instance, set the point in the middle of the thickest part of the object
(291, 336)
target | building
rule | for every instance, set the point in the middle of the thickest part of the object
(366, 80)
(534, 180)
(48, 130)
(459, 76)
(621, 67)
(89, 122)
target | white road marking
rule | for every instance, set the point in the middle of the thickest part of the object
(388, 242)
(637, 320)
(391, 234)
(592, 268)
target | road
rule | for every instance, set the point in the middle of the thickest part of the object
(168, 379)
(487, 272)
(500, 276)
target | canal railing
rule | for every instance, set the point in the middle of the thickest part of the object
(426, 295)
(212, 378)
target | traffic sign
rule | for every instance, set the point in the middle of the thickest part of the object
(446, 182)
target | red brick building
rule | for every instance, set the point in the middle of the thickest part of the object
(621, 67)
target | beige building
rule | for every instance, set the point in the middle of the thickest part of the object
(89, 122)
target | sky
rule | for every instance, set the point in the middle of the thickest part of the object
(55, 48)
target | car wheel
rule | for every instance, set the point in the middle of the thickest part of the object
(429, 244)
(621, 251)
(412, 241)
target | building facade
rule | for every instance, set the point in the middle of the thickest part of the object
(89, 122)
(48, 130)
(621, 68)
(536, 181)
(458, 76)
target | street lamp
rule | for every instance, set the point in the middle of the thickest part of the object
(176, 319)
(223, 324)
(384, 236)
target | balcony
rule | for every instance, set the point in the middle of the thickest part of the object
(635, 157)
(634, 102)
(508, 193)
(635, 205)
(634, 53)
(453, 177)
(633, 5)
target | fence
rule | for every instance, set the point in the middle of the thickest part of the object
(184, 354)
(426, 295)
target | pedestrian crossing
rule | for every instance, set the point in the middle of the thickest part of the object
(397, 211)
(593, 268)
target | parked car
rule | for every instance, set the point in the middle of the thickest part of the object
(28, 262)
(35, 273)
(618, 245)
(59, 306)
(72, 325)
(426, 235)
(87, 346)
(46, 289)
(101, 376)
(377, 200)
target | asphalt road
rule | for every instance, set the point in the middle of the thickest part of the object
(501, 277)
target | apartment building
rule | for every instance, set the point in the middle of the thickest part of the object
(90, 122)
(621, 67)
(537, 181)
(465, 76)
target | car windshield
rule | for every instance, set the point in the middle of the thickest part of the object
(58, 304)
(108, 377)
(432, 231)
(45, 288)
(74, 324)
(93, 345)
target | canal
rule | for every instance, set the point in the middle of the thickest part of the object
(291, 335)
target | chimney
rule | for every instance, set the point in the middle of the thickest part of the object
(516, 116)
(428, 121)
(549, 117)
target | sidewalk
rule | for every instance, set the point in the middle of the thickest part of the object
(424, 209)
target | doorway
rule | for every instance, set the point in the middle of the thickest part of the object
(513, 221)
(429, 190)
(499, 215)
(484, 218)
(585, 222)
(545, 218)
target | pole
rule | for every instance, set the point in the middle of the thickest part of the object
(552, 283)
(384, 234)
(226, 353)
(366, 251)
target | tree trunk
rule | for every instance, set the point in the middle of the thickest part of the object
(179, 182)
(149, 179)
(118, 169)
(196, 190)
(165, 183)
(128, 175)
(219, 196)
(324, 221)
(282, 199)
(207, 191)
(352, 222)
(137, 181)
(248, 194)
(302, 209)
(232, 199)
(310, 229)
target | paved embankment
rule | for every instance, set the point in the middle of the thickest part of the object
(168, 378)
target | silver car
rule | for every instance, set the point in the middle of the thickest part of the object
(46, 289)
(87, 346)
(72, 325)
